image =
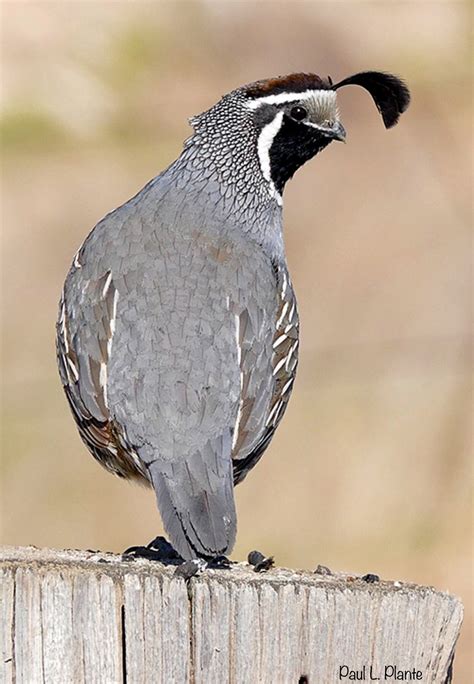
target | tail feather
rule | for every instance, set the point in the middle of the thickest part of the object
(196, 500)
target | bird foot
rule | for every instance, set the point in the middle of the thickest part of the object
(157, 550)
(260, 562)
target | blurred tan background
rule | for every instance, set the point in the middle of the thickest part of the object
(369, 470)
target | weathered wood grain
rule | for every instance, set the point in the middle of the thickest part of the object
(75, 616)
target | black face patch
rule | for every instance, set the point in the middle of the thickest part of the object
(294, 144)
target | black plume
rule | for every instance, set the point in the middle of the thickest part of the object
(389, 93)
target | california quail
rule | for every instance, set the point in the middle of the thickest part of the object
(177, 335)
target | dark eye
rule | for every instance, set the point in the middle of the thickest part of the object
(298, 113)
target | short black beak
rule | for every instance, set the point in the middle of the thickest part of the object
(337, 132)
(333, 131)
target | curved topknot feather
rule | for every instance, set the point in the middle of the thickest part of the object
(390, 94)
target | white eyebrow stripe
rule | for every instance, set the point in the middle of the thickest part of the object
(282, 98)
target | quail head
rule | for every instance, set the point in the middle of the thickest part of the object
(177, 335)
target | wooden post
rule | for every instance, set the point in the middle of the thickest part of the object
(73, 616)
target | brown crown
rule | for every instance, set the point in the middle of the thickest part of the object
(293, 83)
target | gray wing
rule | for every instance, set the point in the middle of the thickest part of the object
(265, 391)
(83, 355)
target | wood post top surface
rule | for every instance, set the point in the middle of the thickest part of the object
(116, 566)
